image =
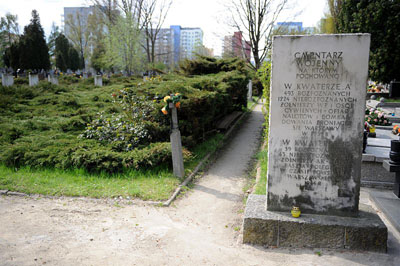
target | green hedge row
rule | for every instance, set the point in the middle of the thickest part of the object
(42, 126)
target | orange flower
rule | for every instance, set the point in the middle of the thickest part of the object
(164, 111)
(178, 105)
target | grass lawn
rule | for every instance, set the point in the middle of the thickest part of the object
(156, 184)
(250, 104)
(261, 186)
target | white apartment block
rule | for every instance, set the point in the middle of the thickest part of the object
(191, 40)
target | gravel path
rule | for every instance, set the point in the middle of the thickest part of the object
(200, 228)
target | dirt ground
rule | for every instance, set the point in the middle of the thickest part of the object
(200, 228)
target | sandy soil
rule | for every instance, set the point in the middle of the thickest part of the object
(200, 228)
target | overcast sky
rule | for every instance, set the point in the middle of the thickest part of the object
(209, 15)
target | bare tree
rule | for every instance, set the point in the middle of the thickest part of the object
(153, 14)
(108, 8)
(79, 34)
(256, 19)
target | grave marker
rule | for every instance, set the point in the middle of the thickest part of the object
(7, 80)
(317, 101)
(316, 123)
(33, 79)
(98, 80)
(52, 79)
(250, 91)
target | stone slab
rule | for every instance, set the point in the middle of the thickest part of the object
(368, 157)
(261, 227)
(98, 80)
(380, 153)
(7, 80)
(389, 204)
(377, 184)
(385, 134)
(316, 122)
(374, 171)
(33, 80)
(377, 142)
(390, 167)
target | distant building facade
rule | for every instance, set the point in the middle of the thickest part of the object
(236, 46)
(293, 27)
(172, 45)
(176, 43)
(79, 15)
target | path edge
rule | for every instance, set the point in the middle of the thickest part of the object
(199, 166)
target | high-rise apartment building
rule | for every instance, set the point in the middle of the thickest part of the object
(172, 45)
(164, 47)
(182, 43)
(77, 16)
(236, 46)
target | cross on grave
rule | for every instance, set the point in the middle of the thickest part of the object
(176, 144)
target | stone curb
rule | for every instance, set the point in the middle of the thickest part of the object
(11, 193)
(202, 162)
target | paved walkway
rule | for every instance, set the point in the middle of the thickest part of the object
(200, 228)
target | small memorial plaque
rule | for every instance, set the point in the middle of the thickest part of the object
(318, 91)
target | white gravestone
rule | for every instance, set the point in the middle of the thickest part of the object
(250, 91)
(7, 80)
(98, 80)
(53, 79)
(318, 91)
(33, 80)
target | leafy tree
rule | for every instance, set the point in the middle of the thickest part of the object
(34, 53)
(62, 52)
(380, 18)
(51, 42)
(9, 34)
(75, 61)
(122, 45)
(97, 60)
(11, 56)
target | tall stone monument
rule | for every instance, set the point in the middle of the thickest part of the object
(317, 106)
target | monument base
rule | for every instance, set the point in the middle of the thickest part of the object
(280, 229)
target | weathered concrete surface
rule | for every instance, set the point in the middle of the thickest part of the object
(316, 122)
(200, 228)
(389, 204)
(262, 227)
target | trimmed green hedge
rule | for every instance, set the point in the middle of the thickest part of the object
(45, 125)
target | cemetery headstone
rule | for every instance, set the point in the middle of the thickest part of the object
(317, 101)
(53, 79)
(7, 80)
(98, 80)
(250, 91)
(33, 79)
